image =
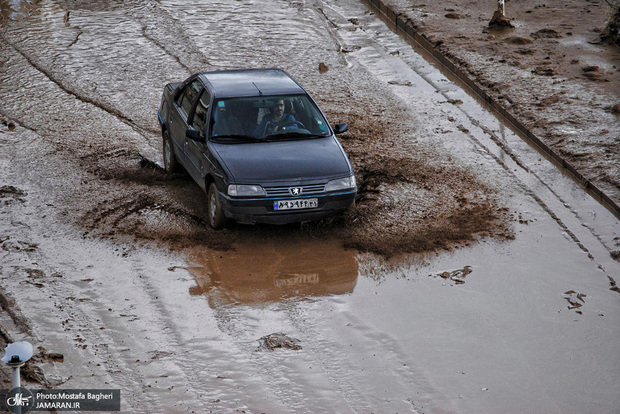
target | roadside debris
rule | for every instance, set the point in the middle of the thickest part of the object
(575, 299)
(278, 340)
(457, 276)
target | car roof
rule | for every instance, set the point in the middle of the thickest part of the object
(251, 82)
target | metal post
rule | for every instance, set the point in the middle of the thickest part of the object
(501, 7)
(15, 375)
(16, 379)
(16, 355)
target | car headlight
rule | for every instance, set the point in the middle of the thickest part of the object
(244, 190)
(341, 184)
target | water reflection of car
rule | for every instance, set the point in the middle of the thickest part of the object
(270, 271)
(258, 145)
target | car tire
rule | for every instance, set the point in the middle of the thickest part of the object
(171, 164)
(215, 213)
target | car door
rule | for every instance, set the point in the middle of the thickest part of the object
(195, 149)
(182, 108)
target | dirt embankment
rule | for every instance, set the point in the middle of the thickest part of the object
(551, 70)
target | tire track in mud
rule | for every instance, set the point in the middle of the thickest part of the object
(517, 178)
(146, 133)
(505, 150)
(388, 160)
(76, 306)
(286, 374)
(526, 189)
(165, 50)
(119, 361)
(160, 20)
(410, 386)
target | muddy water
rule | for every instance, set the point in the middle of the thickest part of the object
(111, 265)
(263, 271)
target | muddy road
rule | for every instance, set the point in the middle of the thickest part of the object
(471, 276)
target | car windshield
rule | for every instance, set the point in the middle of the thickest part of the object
(267, 118)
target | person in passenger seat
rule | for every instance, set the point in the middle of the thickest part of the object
(225, 122)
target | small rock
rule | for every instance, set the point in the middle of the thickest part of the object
(518, 40)
(323, 67)
(55, 357)
(590, 69)
(542, 71)
(546, 34)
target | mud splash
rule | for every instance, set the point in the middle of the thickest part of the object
(411, 199)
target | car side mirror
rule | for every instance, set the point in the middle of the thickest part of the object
(193, 134)
(340, 128)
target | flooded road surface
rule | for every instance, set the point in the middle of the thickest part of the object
(263, 271)
(107, 261)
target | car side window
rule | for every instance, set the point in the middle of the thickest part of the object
(200, 116)
(187, 98)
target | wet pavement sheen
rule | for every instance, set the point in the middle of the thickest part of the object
(488, 327)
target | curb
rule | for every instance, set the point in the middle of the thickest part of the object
(405, 27)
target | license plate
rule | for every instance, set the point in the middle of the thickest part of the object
(295, 204)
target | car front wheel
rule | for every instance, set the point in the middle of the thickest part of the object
(217, 219)
(171, 165)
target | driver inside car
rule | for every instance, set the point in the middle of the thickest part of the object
(277, 120)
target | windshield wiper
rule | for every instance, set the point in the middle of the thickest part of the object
(293, 134)
(239, 136)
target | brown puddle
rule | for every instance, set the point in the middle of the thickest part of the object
(263, 271)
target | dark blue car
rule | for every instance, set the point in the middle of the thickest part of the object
(258, 145)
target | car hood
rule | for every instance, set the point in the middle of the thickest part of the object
(283, 160)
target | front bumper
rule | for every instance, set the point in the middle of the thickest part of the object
(260, 210)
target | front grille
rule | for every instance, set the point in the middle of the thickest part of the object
(283, 191)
